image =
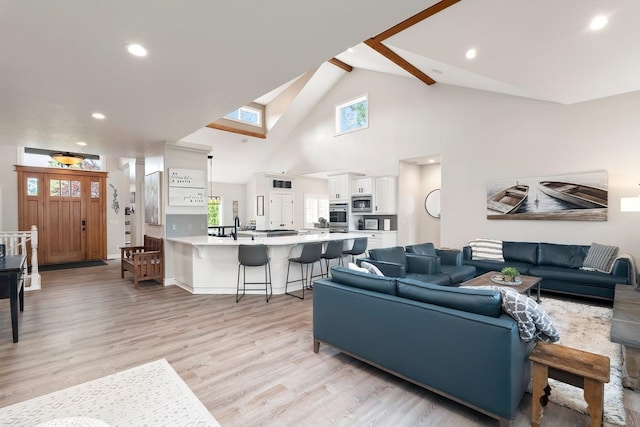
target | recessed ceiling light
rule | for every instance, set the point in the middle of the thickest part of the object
(598, 22)
(431, 161)
(136, 49)
(435, 70)
(98, 116)
(81, 143)
(470, 54)
(350, 50)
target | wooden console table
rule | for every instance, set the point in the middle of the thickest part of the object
(12, 286)
(625, 330)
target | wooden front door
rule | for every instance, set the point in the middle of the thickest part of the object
(69, 208)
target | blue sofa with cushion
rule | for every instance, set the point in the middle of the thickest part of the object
(559, 267)
(420, 265)
(456, 342)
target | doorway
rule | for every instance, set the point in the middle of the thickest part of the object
(69, 208)
(417, 177)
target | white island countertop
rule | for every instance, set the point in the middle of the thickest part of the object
(209, 265)
(269, 241)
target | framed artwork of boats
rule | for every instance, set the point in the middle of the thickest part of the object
(575, 197)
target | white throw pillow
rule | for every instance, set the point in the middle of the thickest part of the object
(486, 249)
(352, 266)
(371, 268)
(600, 258)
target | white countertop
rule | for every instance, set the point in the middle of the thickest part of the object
(373, 231)
(269, 241)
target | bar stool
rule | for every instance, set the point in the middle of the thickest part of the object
(358, 248)
(311, 253)
(253, 256)
(333, 251)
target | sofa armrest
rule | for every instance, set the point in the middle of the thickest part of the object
(466, 253)
(423, 264)
(450, 256)
(622, 267)
(389, 269)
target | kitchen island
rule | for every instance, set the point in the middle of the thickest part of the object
(209, 265)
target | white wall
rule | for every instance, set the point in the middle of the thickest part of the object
(115, 221)
(9, 193)
(482, 136)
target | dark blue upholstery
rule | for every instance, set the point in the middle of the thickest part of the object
(480, 301)
(450, 262)
(471, 357)
(385, 285)
(558, 266)
(569, 256)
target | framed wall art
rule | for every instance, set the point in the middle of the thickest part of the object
(152, 198)
(575, 197)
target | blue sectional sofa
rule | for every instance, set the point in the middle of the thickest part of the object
(423, 263)
(453, 341)
(558, 266)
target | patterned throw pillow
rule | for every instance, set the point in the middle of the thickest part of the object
(600, 258)
(371, 268)
(533, 322)
(486, 249)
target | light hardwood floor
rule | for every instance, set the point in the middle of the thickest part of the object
(250, 363)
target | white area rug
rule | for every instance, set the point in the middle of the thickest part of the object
(587, 328)
(148, 395)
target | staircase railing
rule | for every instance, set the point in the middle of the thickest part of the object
(15, 243)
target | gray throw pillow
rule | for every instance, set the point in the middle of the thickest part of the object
(600, 257)
(533, 322)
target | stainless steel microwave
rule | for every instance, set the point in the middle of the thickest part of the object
(361, 204)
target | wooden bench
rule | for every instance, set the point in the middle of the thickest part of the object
(145, 262)
(579, 368)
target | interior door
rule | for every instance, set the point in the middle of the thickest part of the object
(69, 209)
(64, 214)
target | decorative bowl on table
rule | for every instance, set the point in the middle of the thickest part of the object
(500, 280)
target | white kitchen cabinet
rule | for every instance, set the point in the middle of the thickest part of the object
(280, 211)
(339, 186)
(379, 239)
(386, 195)
(362, 186)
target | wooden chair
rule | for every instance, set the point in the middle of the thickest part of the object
(145, 262)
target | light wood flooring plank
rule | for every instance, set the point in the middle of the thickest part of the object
(250, 364)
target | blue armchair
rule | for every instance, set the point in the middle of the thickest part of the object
(395, 262)
(450, 261)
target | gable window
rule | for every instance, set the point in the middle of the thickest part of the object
(214, 213)
(248, 115)
(352, 115)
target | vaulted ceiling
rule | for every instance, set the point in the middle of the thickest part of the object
(61, 62)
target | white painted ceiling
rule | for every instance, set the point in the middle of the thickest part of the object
(59, 62)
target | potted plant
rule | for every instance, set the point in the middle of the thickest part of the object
(510, 274)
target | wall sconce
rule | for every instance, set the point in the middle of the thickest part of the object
(630, 204)
(68, 159)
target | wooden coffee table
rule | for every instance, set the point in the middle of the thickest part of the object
(528, 282)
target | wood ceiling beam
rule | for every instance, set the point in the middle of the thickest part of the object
(418, 17)
(335, 61)
(236, 130)
(399, 61)
(375, 43)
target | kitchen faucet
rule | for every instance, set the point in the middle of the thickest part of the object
(236, 225)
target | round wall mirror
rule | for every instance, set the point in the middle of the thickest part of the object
(432, 203)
